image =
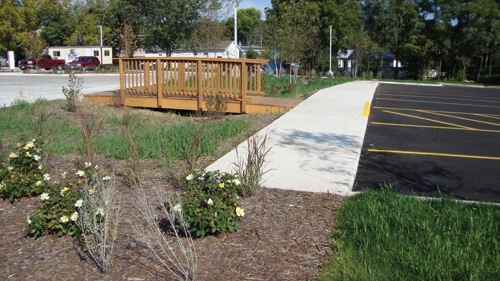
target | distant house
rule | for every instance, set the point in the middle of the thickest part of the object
(70, 53)
(386, 64)
(225, 49)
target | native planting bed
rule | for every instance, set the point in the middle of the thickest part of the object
(142, 154)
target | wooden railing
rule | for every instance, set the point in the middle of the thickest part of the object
(199, 78)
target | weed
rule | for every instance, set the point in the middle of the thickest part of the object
(250, 168)
(216, 106)
(91, 127)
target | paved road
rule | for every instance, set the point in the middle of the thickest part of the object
(49, 86)
(424, 139)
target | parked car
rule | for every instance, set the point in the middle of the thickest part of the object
(85, 63)
(45, 62)
(272, 67)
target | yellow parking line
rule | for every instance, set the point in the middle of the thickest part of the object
(444, 98)
(434, 127)
(427, 119)
(452, 103)
(440, 93)
(461, 118)
(366, 110)
(434, 154)
(440, 111)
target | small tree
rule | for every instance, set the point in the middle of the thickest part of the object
(34, 47)
(127, 40)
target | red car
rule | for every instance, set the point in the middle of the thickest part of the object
(85, 63)
(45, 62)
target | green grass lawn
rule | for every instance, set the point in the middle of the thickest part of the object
(385, 236)
(281, 87)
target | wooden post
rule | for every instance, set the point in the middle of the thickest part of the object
(159, 83)
(122, 82)
(182, 77)
(199, 86)
(244, 77)
(147, 82)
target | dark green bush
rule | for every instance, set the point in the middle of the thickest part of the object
(210, 202)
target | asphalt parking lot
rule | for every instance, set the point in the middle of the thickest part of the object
(424, 140)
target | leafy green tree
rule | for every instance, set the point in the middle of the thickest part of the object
(249, 25)
(17, 19)
(166, 24)
(293, 31)
(56, 21)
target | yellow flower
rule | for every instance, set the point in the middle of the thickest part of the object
(221, 185)
(1, 186)
(64, 190)
(92, 191)
(64, 219)
(38, 183)
(28, 154)
(240, 212)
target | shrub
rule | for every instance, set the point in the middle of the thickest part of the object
(23, 175)
(57, 212)
(73, 93)
(210, 203)
(98, 218)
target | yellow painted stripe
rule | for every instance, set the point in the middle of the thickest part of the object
(366, 110)
(440, 111)
(461, 118)
(434, 154)
(441, 97)
(427, 119)
(434, 127)
(452, 103)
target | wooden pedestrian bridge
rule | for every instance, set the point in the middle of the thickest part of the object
(189, 83)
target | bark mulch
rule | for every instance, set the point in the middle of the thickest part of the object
(284, 235)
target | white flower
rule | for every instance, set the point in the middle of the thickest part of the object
(80, 173)
(74, 216)
(37, 158)
(38, 183)
(79, 203)
(28, 219)
(177, 207)
(13, 155)
(18, 144)
(106, 178)
(100, 211)
(10, 168)
(40, 167)
(88, 164)
(46, 177)
(96, 167)
(64, 219)
(210, 202)
(236, 182)
(189, 177)
(240, 212)
(63, 175)
(44, 196)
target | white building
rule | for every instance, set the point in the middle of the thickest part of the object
(70, 53)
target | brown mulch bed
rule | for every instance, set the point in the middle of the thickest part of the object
(284, 235)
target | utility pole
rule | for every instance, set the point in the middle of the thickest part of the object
(236, 29)
(330, 71)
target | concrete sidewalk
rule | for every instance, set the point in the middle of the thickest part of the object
(316, 146)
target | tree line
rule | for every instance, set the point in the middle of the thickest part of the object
(458, 39)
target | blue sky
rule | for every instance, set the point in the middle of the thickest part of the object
(259, 4)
